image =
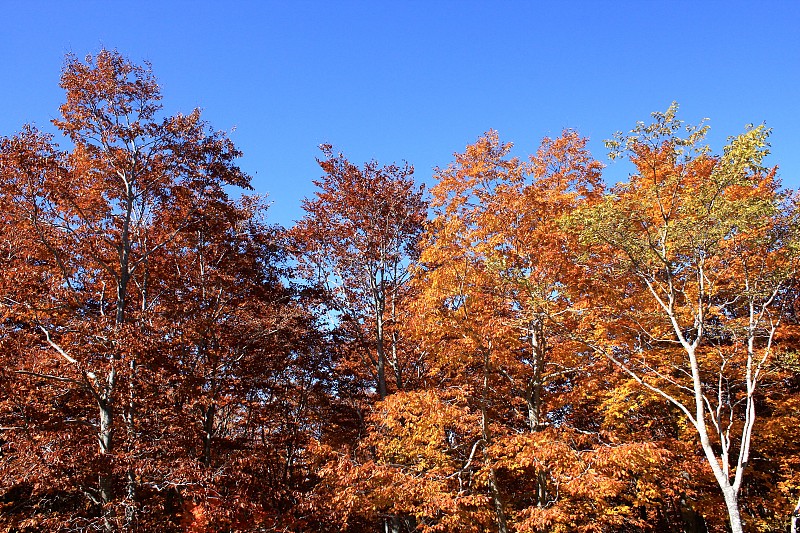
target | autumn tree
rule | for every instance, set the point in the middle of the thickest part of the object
(499, 218)
(502, 291)
(240, 387)
(699, 252)
(413, 471)
(84, 228)
(357, 240)
(530, 259)
(541, 354)
(467, 328)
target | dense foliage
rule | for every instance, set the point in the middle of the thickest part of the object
(526, 348)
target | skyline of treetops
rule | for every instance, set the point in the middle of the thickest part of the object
(531, 344)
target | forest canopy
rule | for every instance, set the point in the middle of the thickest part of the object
(531, 345)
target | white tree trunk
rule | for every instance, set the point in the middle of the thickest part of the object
(732, 503)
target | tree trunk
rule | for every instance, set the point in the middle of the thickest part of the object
(105, 439)
(105, 435)
(392, 524)
(494, 490)
(208, 433)
(381, 368)
(542, 495)
(499, 506)
(398, 374)
(732, 503)
(533, 396)
(130, 422)
(381, 352)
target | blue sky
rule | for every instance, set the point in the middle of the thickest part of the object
(419, 80)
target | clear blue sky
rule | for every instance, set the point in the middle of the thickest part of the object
(418, 80)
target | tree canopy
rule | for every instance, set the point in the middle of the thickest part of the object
(532, 345)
